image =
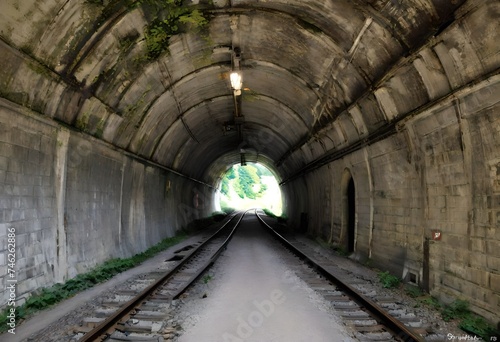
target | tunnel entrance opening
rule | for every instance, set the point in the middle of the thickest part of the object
(250, 186)
(351, 215)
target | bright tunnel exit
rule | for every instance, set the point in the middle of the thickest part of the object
(250, 186)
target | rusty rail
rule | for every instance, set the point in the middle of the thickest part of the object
(397, 328)
(107, 326)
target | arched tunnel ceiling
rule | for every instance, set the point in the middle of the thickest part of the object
(317, 75)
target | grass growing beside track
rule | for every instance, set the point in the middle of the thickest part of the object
(468, 321)
(388, 280)
(49, 296)
(281, 219)
(457, 310)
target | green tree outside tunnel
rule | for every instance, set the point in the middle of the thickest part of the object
(250, 186)
(225, 181)
(248, 183)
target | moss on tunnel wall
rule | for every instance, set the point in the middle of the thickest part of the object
(86, 64)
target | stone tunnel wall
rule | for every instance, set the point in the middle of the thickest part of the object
(76, 202)
(439, 174)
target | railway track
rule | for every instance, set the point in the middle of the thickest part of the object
(142, 310)
(373, 317)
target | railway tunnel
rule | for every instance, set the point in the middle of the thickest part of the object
(380, 119)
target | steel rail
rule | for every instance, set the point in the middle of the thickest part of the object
(398, 329)
(107, 325)
(211, 261)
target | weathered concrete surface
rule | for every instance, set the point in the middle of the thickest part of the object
(28, 199)
(402, 96)
(76, 202)
(439, 172)
(87, 67)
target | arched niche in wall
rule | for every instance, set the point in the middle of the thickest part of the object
(348, 232)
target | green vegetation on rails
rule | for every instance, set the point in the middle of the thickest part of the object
(228, 210)
(468, 321)
(269, 213)
(457, 310)
(47, 297)
(413, 291)
(202, 223)
(281, 219)
(388, 280)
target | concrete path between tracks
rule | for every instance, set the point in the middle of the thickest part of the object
(255, 297)
(27, 331)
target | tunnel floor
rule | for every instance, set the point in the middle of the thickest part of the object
(252, 293)
(254, 296)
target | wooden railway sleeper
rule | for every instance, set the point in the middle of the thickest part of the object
(109, 325)
(401, 331)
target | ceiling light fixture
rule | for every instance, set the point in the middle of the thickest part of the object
(235, 77)
(243, 160)
(236, 83)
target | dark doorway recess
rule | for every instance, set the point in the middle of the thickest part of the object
(351, 208)
(304, 222)
(425, 276)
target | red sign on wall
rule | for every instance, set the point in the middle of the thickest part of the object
(436, 235)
